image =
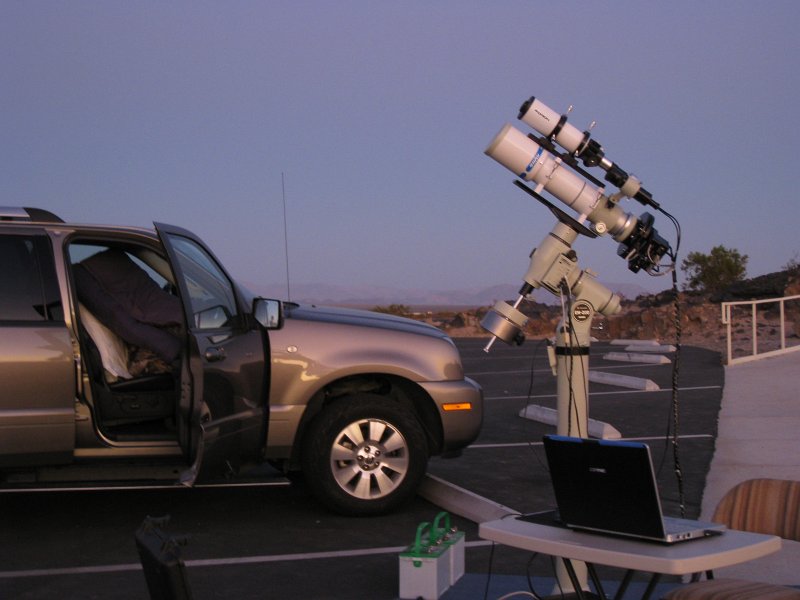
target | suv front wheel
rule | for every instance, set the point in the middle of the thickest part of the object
(366, 455)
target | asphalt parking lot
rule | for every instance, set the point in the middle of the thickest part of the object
(277, 542)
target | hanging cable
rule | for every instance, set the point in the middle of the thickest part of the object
(673, 422)
(675, 412)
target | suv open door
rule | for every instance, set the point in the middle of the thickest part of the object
(224, 408)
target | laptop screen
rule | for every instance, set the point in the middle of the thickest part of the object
(605, 485)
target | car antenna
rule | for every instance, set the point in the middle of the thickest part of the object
(285, 238)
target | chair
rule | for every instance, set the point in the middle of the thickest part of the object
(770, 506)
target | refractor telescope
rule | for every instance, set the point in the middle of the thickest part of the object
(553, 126)
(537, 160)
(554, 264)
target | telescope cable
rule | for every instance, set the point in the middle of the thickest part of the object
(675, 372)
(673, 422)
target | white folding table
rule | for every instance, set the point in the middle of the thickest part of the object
(693, 556)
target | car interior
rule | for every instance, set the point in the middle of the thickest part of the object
(130, 327)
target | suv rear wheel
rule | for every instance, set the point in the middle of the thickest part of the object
(366, 454)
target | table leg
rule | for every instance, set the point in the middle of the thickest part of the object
(651, 586)
(623, 586)
(574, 579)
(598, 586)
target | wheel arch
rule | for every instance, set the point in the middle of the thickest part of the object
(399, 389)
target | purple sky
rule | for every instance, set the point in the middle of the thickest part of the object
(377, 115)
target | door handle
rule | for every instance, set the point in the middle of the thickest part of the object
(214, 354)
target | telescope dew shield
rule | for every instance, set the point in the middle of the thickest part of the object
(537, 115)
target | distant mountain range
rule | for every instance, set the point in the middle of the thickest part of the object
(369, 296)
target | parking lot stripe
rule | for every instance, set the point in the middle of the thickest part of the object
(611, 393)
(641, 439)
(219, 562)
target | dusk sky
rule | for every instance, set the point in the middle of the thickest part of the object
(377, 114)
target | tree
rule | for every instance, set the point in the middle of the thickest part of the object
(793, 264)
(714, 272)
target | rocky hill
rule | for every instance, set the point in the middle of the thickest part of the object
(654, 316)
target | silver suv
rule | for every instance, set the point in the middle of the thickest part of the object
(130, 357)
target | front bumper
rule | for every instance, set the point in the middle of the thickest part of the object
(460, 406)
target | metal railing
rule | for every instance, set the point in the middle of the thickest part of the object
(773, 336)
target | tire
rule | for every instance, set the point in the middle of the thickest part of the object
(365, 455)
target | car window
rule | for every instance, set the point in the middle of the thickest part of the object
(28, 285)
(81, 251)
(211, 295)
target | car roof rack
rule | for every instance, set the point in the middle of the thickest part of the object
(12, 213)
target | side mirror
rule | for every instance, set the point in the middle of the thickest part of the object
(268, 312)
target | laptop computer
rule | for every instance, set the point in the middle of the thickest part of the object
(610, 487)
